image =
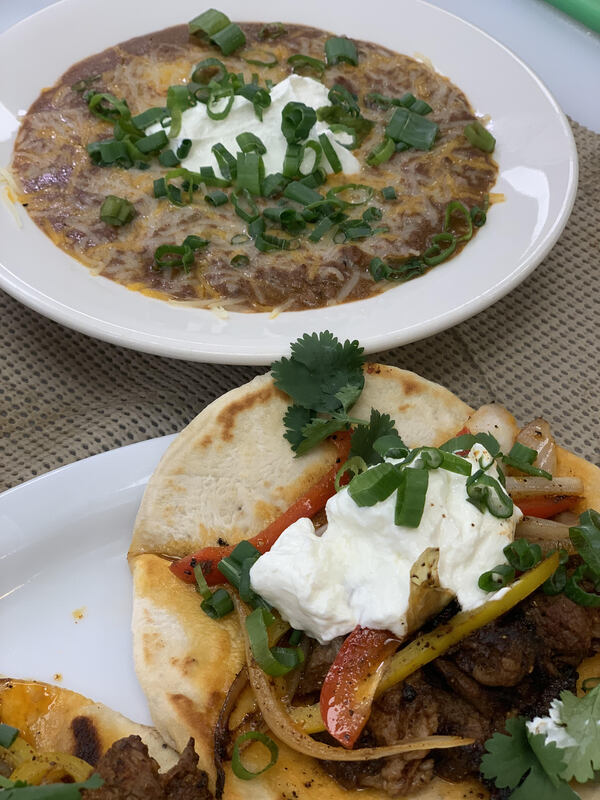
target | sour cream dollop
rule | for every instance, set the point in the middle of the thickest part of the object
(205, 132)
(358, 571)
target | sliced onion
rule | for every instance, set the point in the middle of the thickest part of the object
(278, 719)
(538, 436)
(222, 734)
(547, 533)
(495, 419)
(530, 486)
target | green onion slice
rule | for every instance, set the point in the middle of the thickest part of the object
(484, 492)
(150, 117)
(216, 198)
(575, 592)
(301, 63)
(522, 458)
(250, 143)
(274, 184)
(522, 555)
(355, 465)
(410, 501)
(108, 107)
(227, 163)
(209, 22)
(496, 578)
(218, 605)
(556, 583)
(586, 538)
(250, 172)
(321, 228)
(383, 152)
(172, 255)
(260, 58)
(457, 209)
(297, 120)
(338, 49)
(8, 734)
(389, 193)
(412, 129)
(478, 216)
(239, 770)
(151, 144)
(168, 159)
(272, 31)
(240, 260)
(466, 441)
(201, 584)
(211, 70)
(178, 99)
(479, 137)
(274, 661)
(454, 463)
(441, 248)
(352, 194)
(374, 485)
(340, 96)
(244, 205)
(292, 160)
(301, 194)
(329, 153)
(229, 38)
(219, 103)
(116, 211)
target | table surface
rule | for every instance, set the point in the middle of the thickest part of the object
(533, 29)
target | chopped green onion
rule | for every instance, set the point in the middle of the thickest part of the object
(425, 458)
(250, 143)
(372, 213)
(336, 116)
(321, 229)
(340, 96)
(323, 208)
(421, 107)
(358, 193)
(478, 216)
(149, 117)
(586, 538)
(556, 582)
(250, 172)
(218, 605)
(522, 555)
(352, 229)
(577, 594)
(404, 270)
(338, 48)
(168, 159)
(202, 585)
(108, 107)
(248, 212)
(240, 260)
(274, 184)
(272, 31)
(354, 465)
(261, 58)
(288, 218)
(8, 734)
(457, 208)
(209, 22)
(227, 163)
(274, 661)
(297, 120)
(110, 152)
(374, 485)
(329, 153)
(484, 492)
(215, 108)
(294, 155)
(116, 211)
(216, 198)
(238, 769)
(151, 144)
(184, 149)
(496, 578)
(178, 100)
(466, 441)
(172, 255)
(522, 458)
(266, 243)
(259, 97)
(314, 179)
(209, 71)
(389, 193)
(295, 637)
(453, 463)
(390, 446)
(383, 152)
(301, 63)
(412, 129)
(479, 137)
(442, 246)
(410, 501)
(301, 194)
(229, 38)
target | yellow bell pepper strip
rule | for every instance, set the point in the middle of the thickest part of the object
(428, 646)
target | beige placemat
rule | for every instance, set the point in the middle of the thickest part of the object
(64, 396)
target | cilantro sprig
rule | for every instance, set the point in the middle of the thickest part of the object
(325, 378)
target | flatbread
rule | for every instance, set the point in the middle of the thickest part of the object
(54, 719)
(228, 475)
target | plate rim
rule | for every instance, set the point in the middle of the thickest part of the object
(162, 344)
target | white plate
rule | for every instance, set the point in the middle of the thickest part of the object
(63, 555)
(536, 153)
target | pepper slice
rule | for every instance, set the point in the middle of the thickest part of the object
(306, 506)
(349, 687)
(545, 507)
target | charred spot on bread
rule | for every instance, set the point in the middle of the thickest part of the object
(86, 739)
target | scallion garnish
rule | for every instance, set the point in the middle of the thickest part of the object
(209, 71)
(250, 143)
(150, 117)
(108, 107)
(339, 48)
(523, 555)
(466, 441)
(110, 152)
(218, 605)
(442, 246)
(240, 260)
(171, 255)
(340, 120)
(457, 209)
(287, 218)
(250, 172)
(412, 129)
(274, 661)
(340, 96)
(274, 184)
(217, 26)
(479, 137)
(168, 159)
(116, 211)
(410, 500)
(8, 734)
(496, 578)
(248, 211)
(272, 31)
(388, 193)
(85, 83)
(294, 154)
(178, 100)
(372, 213)
(320, 229)
(329, 153)
(374, 485)
(216, 198)
(227, 163)
(351, 194)
(297, 120)
(261, 58)
(301, 194)
(220, 102)
(301, 63)
(238, 769)
(522, 458)
(484, 492)
(383, 152)
(478, 216)
(201, 584)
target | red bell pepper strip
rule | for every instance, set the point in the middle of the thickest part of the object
(350, 685)
(306, 506)
(546, 506)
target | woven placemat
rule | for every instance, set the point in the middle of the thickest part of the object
(64, 396)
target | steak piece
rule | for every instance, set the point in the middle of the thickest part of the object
(563, 628)
(318, 662)
(130, 773)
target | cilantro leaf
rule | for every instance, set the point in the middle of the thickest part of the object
(322, 374)
(586, 538)
(580, 717)
(364, 436)
(317, 430)
(295, 419)
(525, 763)
(51, 791)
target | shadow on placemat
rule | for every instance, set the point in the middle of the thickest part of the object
(64, 396)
